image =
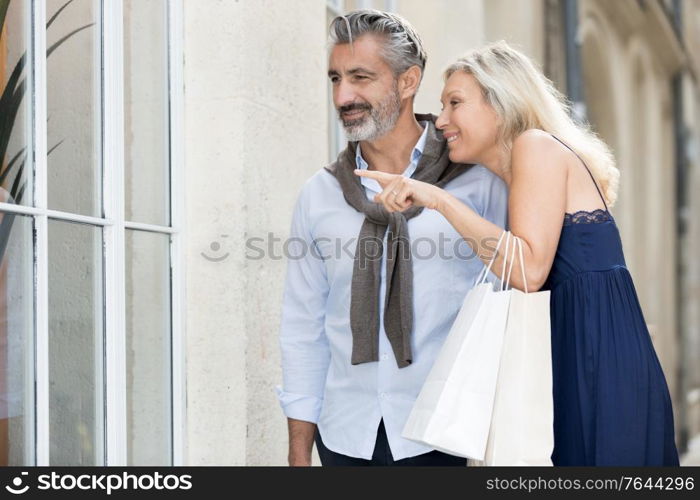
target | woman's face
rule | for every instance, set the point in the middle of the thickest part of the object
(468, 122)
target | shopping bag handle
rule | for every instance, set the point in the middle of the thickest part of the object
(505, 281)
(519, 244)
(485, 271)
(505, 284)
(522, 263)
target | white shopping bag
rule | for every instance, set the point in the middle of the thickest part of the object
(522, 431)
(453, 410)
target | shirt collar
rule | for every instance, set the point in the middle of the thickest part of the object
(416, 155)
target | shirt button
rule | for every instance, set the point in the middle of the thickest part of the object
(383, 395)
(385, 356)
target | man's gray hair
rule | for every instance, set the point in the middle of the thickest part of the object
(403, 47)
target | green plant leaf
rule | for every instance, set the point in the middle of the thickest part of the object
(5, 228)
(18, 179)
(4, 5)
(9, 114)
(13, 81)
(58, 12)
(14, 92)
(21, 193)
(63, 39)
(7, 169)
(55, 146)
(10, 102)
(18, 195)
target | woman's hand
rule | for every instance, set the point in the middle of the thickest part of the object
(400, 192)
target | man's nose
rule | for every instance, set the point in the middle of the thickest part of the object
(344, 94)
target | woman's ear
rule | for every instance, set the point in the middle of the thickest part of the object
(409, 81)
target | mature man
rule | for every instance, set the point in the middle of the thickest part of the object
(360, 331)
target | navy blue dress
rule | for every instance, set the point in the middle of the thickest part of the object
(611, 401)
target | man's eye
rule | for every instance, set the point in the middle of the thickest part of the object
(454, 103)
(334, 79)
(360, 77)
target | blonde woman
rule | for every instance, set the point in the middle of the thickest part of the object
(611, 401)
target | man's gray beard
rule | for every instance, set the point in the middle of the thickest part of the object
(380, 121)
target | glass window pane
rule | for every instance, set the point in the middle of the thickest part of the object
(76, 412)
(15, 125)
(146, 130)
(16, 340)
(148, 349)
(74, 109)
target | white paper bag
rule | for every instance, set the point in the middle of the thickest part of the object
(521, 431)
(453, 410)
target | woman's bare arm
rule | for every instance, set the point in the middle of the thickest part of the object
(536, 206)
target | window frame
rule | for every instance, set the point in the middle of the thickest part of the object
(113, 226)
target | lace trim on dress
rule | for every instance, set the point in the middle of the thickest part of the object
(584, 217)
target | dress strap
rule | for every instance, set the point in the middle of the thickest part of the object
(584, 164)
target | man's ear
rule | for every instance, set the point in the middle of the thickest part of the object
(409, 81)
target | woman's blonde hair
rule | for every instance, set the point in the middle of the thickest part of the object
(524, 98)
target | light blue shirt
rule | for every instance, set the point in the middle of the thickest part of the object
(319, 383)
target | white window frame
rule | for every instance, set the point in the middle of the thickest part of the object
(113, 226)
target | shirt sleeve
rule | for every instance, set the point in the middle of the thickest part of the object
(494, 205)
(303, 342)
(494, 199)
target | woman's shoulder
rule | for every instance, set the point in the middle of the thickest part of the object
(536, 148)
(535, 140)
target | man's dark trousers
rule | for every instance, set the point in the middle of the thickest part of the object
(382, 455)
